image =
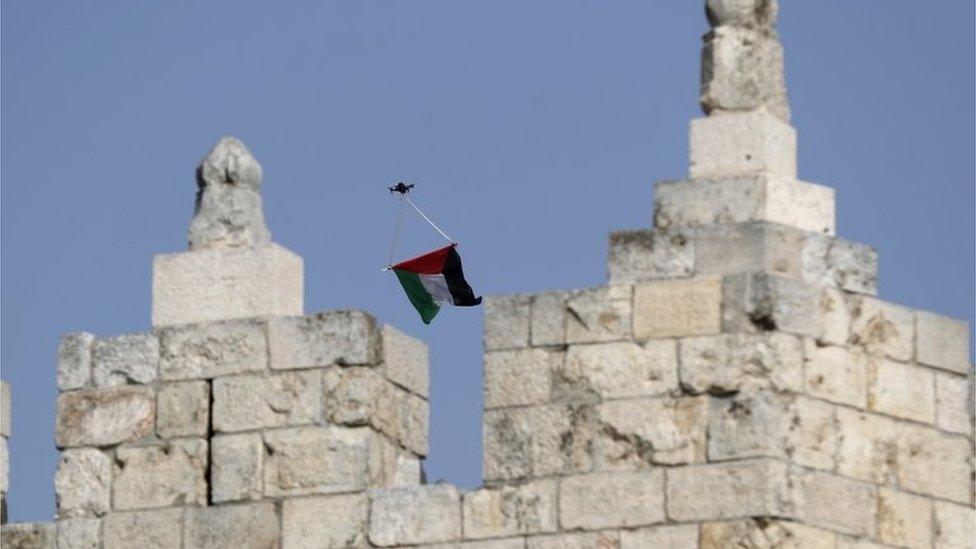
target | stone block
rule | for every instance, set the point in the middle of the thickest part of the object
(29, 535)
(660, 537)
(677, 308)
(158, 529)
(226, 284)
(517, 378)
(360, 396)
(814, 435)
(643, 433)
(507, 320)
(183, 409)
(510, 511)
(608, 539)
(316, 460)
(840, 504)
(728, 363)
(345, 338)
(955, 525)
(882, 328)
(953, 404)
(933, 463)
(599, 314)
(867, 446)
(102, 417)
(508, 543)
(538, 441)
(160, 476)
(749, 247)
(408, 471)
(345, 525)
(132, 358)
(75, 360)
(757, 487)
(83, 483)
(248, 402)
(832, 261)
(611, 500)
(943, 342)
(413, 416)
(762, 533)
(405, 361)
(79, 533)
(904, 520)
(742, 61)
(547, 319)
(835, 317)
(837, 374)
(619, 370)
(5, 410)
(236, 472)
(421, 514)
(901, 390)
(741, 143)
(4, 472)
(254, 526)
(206, 351)
(764, 302)
(649, 255)
(751, 424)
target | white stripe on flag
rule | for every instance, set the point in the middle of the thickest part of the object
(436, 286)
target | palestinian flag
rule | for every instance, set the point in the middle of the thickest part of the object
(433, 279)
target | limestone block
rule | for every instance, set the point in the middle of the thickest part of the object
(741, 143)
(608, 539)
(254, 526)
(538, 441)
(676, 308)
(247, 402)
(547, 319)
(643, 433)
(345, 521)
(5, 410)
(29, 535)
(814, 435)
(611, 500)
(660, 537)
(752, 424)
(742, 66)
(412, 420)
(205, 351)
(74, 360)
(934, 463)
(763, 302)
(599, 314)
(955, 526)
(102, 417)
(848, 542)
(901, 390)
(904, 520)
(761, 533)
(316, 460)
(132, 358)
(408, 471)
(867, 447)
(835, 317)
(831, 261)
(837, 374)
(381, 466)
(508, 543)
(346, 338)
(183, 409)
(79, 533)
(516, 378)
(943, 342)
(649, 255)
(702, 202)
(727, 363)
(952, 402)
(4, 470)
(420, 514)
(882, 328)
(841, 504)
(618, 370)
(360, 396)
(226, 284)
(757, 487)
(507, 322)
(160, 476)
(236, 472)
(405, 361)
(509, 511)
(83, 483)
(749, 247)
(158, 529)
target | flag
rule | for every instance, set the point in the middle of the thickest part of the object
(433, 279)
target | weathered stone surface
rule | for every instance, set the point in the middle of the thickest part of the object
(324, 522)
(79, 533)
(590, 540)
(316, 460)
(955, 525)
(203, 351)
(649, 255)
(254, 526)
(737, 362)
(752, 424)
(660, 537)
(160, 476)
(933, 463)
(835, 317)
(413, 416)
(749, 247)
(422, 514)
(759, 487)
(841, 504)
(741, 143)
(509, 511)
(837, 374)
(132, 358)
(953, 404)
(5, 409)
(749, 14)
(226, 284)
(346, 338)
(814, 434)
(242, 403)
(515, 378)
(236, 471)
(158, 529)
(611, 500)
(676, 308)
(28, 535)
(904, 520)
(868, 446)
(617, 370)
(405, 361)
(547, 320)
(538, 441)
(901, 390)
(507, 320)
(764, 302)
(508, 543)
(761, 533)
(74, 360)
(882, 328)
(643, 433)
(599, 314)
(83, 483)
(742, 70)
(407, 472)
(183, 409)
(943, 342)
(102, 417)
(360, 396)
(832, 261)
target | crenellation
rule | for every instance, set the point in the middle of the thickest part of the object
(75, 360)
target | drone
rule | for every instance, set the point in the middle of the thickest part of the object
(401, 188)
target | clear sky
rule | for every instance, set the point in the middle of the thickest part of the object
(533, 128)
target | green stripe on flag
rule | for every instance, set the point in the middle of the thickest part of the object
(418, 295)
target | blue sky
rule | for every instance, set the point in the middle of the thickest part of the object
(534, 128)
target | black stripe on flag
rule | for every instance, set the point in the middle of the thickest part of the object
(460, 290)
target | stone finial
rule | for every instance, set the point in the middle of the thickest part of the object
(742, 60)
(228, 212)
